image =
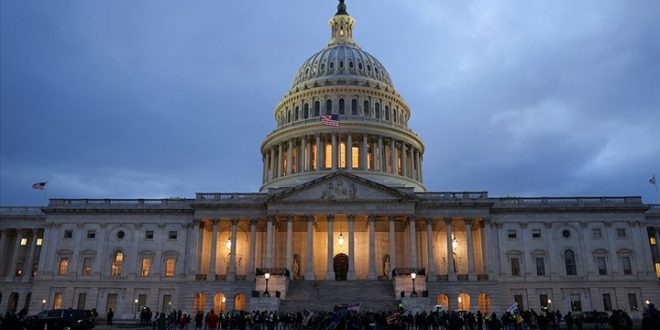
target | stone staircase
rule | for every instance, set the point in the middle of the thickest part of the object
(324, 295)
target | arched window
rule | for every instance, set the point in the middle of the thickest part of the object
(464, 301)
(219, 302)
(117, 262)
(328, 107)
(341, 106)
(443, 300)
(569, 261)
(317, 108)
(377, 110)
(288, 116)
(354, 109)
(297, 113)
(394, 114)
(365, 108)
(240, 302)
(170, 263)
(306, 111)
(387, 113)
(200, 302)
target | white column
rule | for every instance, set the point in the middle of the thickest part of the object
(372, 248)
(484, 247)
(192, 248)
(280, 149)
(309, 269)
(393, 263)
(289, 243)
(73, 265)
(412, 231)
(470, 248)
(349, 152)
(304, 154)
(289, 158)
(269, 242)
(429, 239)
(335, 152)
(214, 244)
(363, 153)
(28, 263)
(199, 257)
(351, 248)
(271, 172)
(319, 153)
(100, 259)
(411, 160)
(253, 246)
(330, 274)
(14, 259)
(404, 165)
(232, 251)
(393, 156)
(450, 251)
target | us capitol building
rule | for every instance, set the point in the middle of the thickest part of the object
(342, 216)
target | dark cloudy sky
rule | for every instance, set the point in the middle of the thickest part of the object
(153, 99)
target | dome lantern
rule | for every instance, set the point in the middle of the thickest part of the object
(342, 27)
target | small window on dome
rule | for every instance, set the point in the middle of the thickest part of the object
(307, 71)
(368, 67)
(360, 66)
(317, 108)
(328, 107)
(322, 66)
(297, 112)
(350, 64)
(354, 107)
(376, 69)
(331, 65)
(387, 113)
(306, 111)
(341, 106)
(365, 108)
(341, 64)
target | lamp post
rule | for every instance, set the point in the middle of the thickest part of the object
(413, 275)
(266, 293)
(549, 305)
(169, 306)
(222, 306)
(43, 305)
(135, 309)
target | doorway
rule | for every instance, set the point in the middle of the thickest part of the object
(341, 267)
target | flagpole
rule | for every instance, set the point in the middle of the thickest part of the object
(46, 193)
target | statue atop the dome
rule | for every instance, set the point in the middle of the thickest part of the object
(341, 8)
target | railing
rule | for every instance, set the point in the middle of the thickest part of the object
(200, 277)
(120, 203)
(21, 210)
(443, 278)
(463, 277)
(406, 271)
(482, 277)
(272, 271)
(565, 201)
(453, 195)
(229, 196)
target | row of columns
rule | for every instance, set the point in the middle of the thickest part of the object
(404, 158)
(351, 275)
(32, 236)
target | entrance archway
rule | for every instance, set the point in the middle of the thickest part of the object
(341, 267)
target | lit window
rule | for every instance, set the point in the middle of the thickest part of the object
(536, 233)
(652, 240)
(40, 241)
(342, 155)
(515, 266)
(87, 266)
(117, 262)
(328, 155)
(146, 266)
(355, 154)
(169, 267)
(173, 234)
(64, 266)
(57, 301)
(24, 241)
(512, 233)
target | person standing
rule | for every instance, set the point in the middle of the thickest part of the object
(212, 321)
(109, 316)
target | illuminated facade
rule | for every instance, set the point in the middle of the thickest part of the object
(339, 204)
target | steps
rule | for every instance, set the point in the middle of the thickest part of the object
(324, 295)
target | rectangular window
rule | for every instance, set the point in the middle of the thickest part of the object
(111, 302)
(68, 233)
(87, 266)
(146, 266)
(607, 302)
(543, 300)
(57, 301)
(167, 303)
(540, 266)
(91, 234)
(64, 266)
(82, 300)
(328, 156)
(149, 234)
(142, 301)
(536, 233)
(632, 302)
(512, 233)
(602, 265)
(40, 241)
(515, 266)
(518, 298)
(355, 157)
(621, 232)
(596, 233)
(24, 241)
(652, 240)
(627, 265)
(342, 155)
(576, 303)
(172, 234)
(169, 267)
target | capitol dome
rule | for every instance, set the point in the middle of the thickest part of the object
(342, 113)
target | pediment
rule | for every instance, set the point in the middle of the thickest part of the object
(341, 186)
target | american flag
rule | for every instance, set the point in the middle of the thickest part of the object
(652, 180)
(330, 120)
(39, 186)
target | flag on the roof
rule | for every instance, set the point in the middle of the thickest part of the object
(330, 120)
(652, 180)
(39, 186)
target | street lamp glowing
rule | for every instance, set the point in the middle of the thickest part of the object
(340, 240)
(266, 293)
(549, 301)
(647, 302)
(413, 276)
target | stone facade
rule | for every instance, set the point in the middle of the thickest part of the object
(338, 203)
